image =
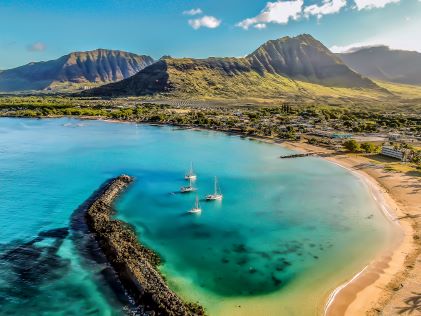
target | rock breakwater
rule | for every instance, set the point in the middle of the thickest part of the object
(135, 265)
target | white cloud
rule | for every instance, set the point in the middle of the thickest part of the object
(279, 12)
(327, 7)
(401, 37)
(205, 21)
(354, 47)
(37, 47)
(261, 26)
(372, 4)
(193, 11)
(392, 40)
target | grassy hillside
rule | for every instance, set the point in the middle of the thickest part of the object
(305, 58)
(227, 78)
(299, 67)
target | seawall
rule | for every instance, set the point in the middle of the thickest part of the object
(135, 265)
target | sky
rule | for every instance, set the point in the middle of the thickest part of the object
(39, 30)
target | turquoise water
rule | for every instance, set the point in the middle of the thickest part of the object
(286, 231)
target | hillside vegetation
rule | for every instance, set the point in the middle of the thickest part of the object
(298, 68)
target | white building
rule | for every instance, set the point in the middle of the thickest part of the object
(394, 153)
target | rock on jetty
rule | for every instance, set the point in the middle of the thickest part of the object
(135, 264)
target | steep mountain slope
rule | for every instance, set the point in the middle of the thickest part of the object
(269, 71)
(98, 66)
(305, 58)
(386, 64)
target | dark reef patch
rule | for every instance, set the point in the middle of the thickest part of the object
(27, 265)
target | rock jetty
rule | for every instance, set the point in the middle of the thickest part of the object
(135, 265)
(298, 155)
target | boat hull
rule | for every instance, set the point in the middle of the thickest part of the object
(214, 197)
(187, 190)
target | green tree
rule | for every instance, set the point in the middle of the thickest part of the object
(368, 147)
(352, 145)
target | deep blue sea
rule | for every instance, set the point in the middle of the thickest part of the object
(287, 232)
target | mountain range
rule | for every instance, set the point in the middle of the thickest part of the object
(386, 64)
(75, 69)
(289, 68)
(272, 69)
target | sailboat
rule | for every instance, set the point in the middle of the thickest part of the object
(190, 175)
(217, 194)
(196, 209)
(188, 189)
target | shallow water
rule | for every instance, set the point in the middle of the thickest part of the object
(287, 231)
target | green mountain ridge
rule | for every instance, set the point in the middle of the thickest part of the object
(271, 71)
(304, 58)
(77, 68)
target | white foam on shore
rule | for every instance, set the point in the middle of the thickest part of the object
(375, 192)
(333, 295)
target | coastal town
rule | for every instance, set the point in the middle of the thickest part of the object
(391, 134)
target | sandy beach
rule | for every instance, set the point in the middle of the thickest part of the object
(390, 284)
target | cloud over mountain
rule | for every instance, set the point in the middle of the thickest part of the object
(279, 12)
(205, 21)
(327, 7)
(372, 4)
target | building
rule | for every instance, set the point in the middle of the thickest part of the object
(341, 136)
(394, 153)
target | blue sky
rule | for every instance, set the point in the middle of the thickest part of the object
(47, 29)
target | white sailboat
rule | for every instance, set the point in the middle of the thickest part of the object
(190, 175)
(189, 188)
(217, 194)
(196, 209)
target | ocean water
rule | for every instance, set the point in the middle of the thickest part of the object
(286, 233)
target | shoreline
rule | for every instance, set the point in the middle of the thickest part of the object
(371, 290)
(383, 284)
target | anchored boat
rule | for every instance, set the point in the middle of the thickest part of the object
(217, 194)
(190, 175)
(196, 209)
(189, 188)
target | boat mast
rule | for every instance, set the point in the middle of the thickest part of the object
(216, 185)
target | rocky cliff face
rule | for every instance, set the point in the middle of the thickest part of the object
(305, 58)
(270, 71)
(93, 67)
(386, 64)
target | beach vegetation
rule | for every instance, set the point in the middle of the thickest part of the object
(370, 148)
(352, 145)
